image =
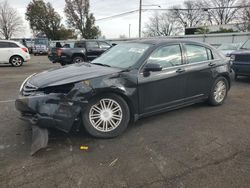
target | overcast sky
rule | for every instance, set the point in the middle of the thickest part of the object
(111, 28)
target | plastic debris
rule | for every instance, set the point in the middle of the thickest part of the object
(84, 147)
(113, 162)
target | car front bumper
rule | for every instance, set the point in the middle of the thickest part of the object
(241, 68)
(49, 111)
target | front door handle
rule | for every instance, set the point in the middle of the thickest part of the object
(211, 64)
(180, 70)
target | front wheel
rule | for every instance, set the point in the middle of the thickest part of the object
(16, 61)
(106, 117)
(219, 91)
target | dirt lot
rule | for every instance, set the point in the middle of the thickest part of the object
(198, 146)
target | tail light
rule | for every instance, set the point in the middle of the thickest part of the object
(59, 52)
(25, 50)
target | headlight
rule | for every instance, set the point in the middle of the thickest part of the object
(232, 58)
(25, 81)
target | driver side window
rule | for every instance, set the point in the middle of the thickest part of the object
(167, 56)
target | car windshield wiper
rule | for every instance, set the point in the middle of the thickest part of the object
(126, 69)
(244, 48)
(104, 65)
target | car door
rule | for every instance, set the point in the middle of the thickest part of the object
(200, 66)
(5, 52)
(92, 50)
(165, 88)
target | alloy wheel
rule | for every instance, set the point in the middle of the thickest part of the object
(16, 61)
(78, 60)
(106, 115)
(220, 91)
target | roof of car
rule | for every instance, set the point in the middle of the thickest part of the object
(8, 41)
(159, 41)
(90, 40)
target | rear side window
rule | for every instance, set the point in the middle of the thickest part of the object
(196, 53)
(104, 45)
(92, 44)
(13, 45)
(167, 56)
(79, 45)
(8, 45)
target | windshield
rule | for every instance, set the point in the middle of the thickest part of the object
(246, 45)
(41, 41)
(123, 55)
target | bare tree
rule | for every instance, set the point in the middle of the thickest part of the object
(188, 15)
(10, 22)
(244, 16)
(160, 25)
(220, 11)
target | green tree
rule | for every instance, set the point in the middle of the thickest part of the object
(79, 18)
(44, 19)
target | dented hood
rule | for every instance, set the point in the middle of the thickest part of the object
(70, 74)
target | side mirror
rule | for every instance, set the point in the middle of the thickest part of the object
(152, 67)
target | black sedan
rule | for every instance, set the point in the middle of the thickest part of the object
(130, 81)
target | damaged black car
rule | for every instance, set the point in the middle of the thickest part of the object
(130, 81)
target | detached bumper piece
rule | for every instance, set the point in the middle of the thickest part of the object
(47, 111)
(39, 139)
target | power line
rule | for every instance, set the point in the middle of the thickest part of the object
(203, 8)
(118, 15)
(168, 9)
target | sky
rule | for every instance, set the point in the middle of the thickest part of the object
(111, 28)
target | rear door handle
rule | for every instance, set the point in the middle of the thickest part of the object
(180, 70)
(211, 64)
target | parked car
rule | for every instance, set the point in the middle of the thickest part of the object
(41, 46)
(13, 53)
(241, 60)
(84, 50)
(228, 48)
(130, 81)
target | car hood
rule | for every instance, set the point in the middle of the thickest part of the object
(240, 52)
(70, 74)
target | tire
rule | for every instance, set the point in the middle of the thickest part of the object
(235, 77)
(16, 61)
(219, 91)
(109, 125)
(78, 59)
(63, 64)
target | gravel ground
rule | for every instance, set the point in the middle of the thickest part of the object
(198, 146)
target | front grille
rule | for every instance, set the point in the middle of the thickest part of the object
(242, 57)
(29, 89)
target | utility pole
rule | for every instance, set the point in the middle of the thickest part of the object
(140, 10)
(129, 30)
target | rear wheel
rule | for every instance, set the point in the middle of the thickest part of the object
(78, 59)
(106, 117)
(16, 61)
(219, 91)
(236, 76)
